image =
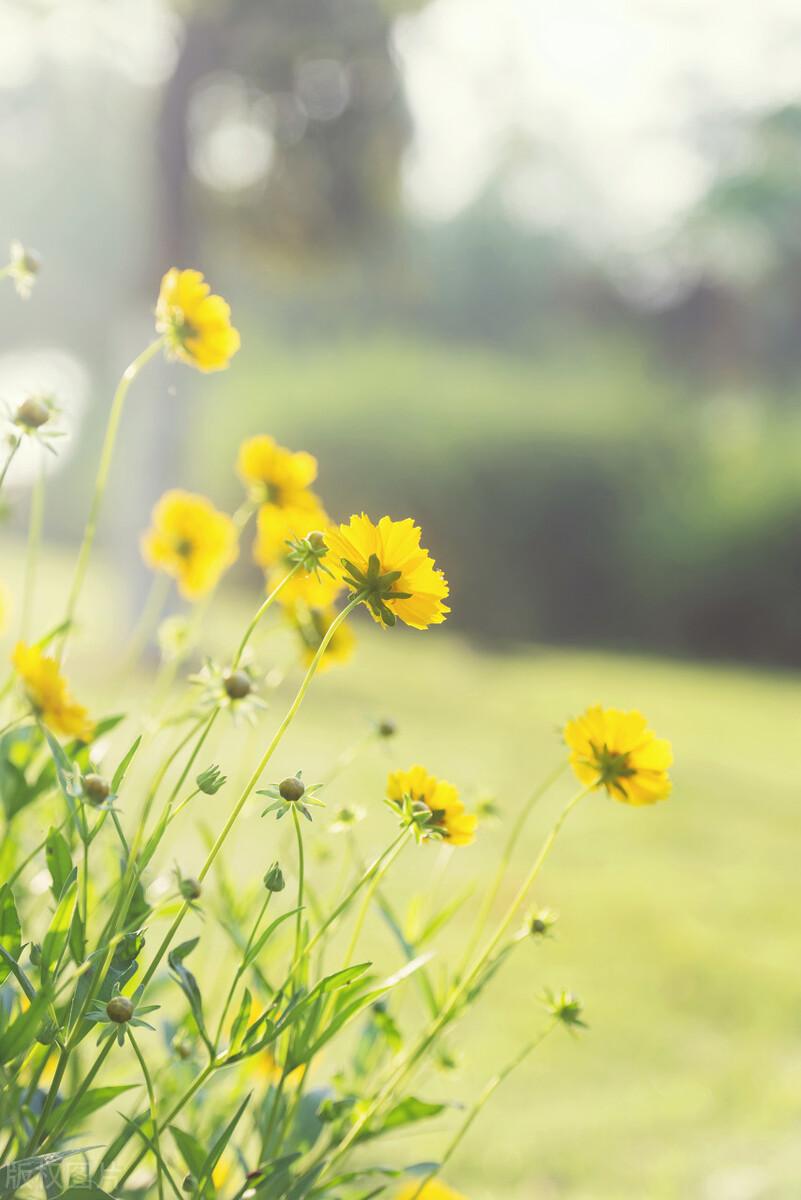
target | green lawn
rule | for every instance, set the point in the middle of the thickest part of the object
(678, 925)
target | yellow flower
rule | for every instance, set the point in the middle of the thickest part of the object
(49, 695)
(457, 826)
(190, 540)
(388, 564)
(276, 475)
(312, 624)
(275, 526)
(197, 324)
(432, 1191)
(5, 608)
(616, 750)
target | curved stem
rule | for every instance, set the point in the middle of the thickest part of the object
(104, 467)
(9, 460)
(151, 1095)
(257, 616)
(32, 553)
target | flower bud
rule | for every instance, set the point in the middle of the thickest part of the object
(33, 413)
(190, 889)
(387, 729)
(291, 789)
(540, 923)
(119, 1009)
(237, 685)
(211, 780)
(96, 788)
(274, 879)
(189, 1184)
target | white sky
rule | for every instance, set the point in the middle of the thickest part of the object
(610, 86)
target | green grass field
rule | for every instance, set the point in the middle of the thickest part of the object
(678, 925)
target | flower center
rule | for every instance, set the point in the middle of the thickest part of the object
(184, 547)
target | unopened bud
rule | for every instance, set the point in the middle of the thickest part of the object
(387, 729)
(96, 788)
(274, 879)
(291, 789)
(33, 413)
(211, 780)
(119, 1009)
(191, 889)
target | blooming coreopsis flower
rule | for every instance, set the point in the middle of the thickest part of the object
(277, 476)
(387, 564)
(196, 324)
(448, 816)
(190, 540)
(434, 1190)
(48, 693)
(617, 751)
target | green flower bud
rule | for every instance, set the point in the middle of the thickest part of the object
(211, 780)
(274, 879)
(96, 788)
(189, 1184)
(33, 413)
(387, 729)
(237, 685)
(119, 1009)
(190, 889)
(291, 789)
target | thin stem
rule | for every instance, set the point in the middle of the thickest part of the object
(506, 858)
(148, 619)
(194, 1087)
(476, 1108)
(301, 880)
(32, 554)
(240, 971)
(254, 779)
(151, 1095)
(104, 467)
(257, 616)
(14, 448)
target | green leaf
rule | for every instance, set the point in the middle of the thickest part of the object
(77, 937)
(59, 861)
(85, 1191)
(20, 1034)
(189, 986)
(407, 1112)
(10, 928)
(122, 769)
(266, 934)
(215, 1154)
(13, 1175)
(240, 1023)
(55, 940)
(95, 1099)
(191, 1151)
(17, 751)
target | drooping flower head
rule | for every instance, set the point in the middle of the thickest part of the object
(388, 565)
(617, 751)
(49, 695)
(275, 475)
(190, 540)
(431, 1191)
(448, 816)
(197, 324)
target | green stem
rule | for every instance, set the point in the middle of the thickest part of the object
(9, 460)
(104, 468)
(151, 1095)
(240, 971)
(257, 616)
(194, 1087)
(148, 619)
(254, 779)
(66, 1110)
(476, 1108)
(301, 880)
(506, 858)
(32, 553)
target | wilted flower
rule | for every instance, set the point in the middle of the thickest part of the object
(191, 540)
(448, 819)
(277, 476)
(49, 695)
(617, 751)
(196, 324)
(388, 566)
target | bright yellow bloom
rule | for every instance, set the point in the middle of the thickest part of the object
(5, 608)
(197, 324)
(276, 475)
(457, 826)
(276, 526)
(190, 540)
(312, 624)
(432, 1191)
(616, 750)
(388, 564)
(49, 694)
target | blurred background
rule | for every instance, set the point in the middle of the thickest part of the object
(529, 271)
